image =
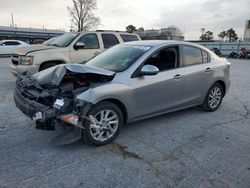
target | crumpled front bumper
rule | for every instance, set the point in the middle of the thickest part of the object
(31, 108)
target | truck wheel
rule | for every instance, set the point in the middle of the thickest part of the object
(104, 124)
(47, 65)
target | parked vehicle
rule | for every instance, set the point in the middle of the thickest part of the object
(216, 51)
(233, 55)
(244, 53)
(49, 41)
(7, 47)
(129, 82)
(68, 48)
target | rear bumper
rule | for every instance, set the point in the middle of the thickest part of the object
(30, 108)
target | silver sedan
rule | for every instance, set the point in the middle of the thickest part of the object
(126, 83)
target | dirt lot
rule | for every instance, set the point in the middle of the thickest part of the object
(190, 148)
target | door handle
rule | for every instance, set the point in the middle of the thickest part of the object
(208, 69)
(177, 77)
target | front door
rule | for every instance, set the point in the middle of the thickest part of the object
(155, 94)
(91, 49)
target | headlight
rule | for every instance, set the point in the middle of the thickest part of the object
(26, 60)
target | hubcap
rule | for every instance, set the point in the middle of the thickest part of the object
(214, 97)
(103, 125)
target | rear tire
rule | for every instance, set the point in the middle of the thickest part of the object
(104, 125)
(213, 98)
(47, 65)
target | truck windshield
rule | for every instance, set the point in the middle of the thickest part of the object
(118, 58)
(64, 40)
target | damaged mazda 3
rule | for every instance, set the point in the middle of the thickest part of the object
(128, 82)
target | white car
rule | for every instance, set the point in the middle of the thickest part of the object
(68, 48)
(7, 47)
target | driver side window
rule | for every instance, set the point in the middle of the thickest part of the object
(165, 59)
(90, 41)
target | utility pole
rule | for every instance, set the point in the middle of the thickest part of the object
(12, 20)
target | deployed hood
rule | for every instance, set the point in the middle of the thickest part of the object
(55, 75)
(24, 50)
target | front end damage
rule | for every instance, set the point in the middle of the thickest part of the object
(50, 97)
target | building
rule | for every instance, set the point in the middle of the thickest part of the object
(28, 35)
(169, 33)
(246, 36)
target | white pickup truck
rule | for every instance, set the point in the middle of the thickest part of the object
(68, 48)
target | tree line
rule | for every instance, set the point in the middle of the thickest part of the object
(230, 34)
(83, 19)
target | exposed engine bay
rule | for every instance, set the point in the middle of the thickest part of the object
(48, 95)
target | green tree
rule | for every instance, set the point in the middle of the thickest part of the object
(207, 36)
(232, 36)
(131, 29)
(222, 35)
(140, 29)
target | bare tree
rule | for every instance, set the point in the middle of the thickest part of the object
(82, 15)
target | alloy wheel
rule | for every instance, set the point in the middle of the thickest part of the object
(103, 125)
(214, 97)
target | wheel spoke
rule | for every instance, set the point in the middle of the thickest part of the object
(95, 127)
(95, 134)
(93, 120)
(108, 134)
(111, 129)
(100, 138)
(211, 96)
(107, 114)
(106, 127)
(102, 116)
(111, 118)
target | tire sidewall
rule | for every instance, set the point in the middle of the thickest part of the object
(47, 65)
(93, 111)
(207, 97)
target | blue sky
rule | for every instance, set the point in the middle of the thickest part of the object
(189, 15)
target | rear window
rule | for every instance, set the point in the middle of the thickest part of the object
(109, 40)
(128, 38)
(192, 56)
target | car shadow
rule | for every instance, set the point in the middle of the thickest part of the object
(138, 125)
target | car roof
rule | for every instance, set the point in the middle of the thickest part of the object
(158, 43)
(11, 41)
(106, 31)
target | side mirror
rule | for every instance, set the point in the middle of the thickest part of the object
(79, 45)
(149, 70)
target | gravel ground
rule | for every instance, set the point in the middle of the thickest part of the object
(189, 148)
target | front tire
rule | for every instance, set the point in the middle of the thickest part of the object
(47, 65)
(213, 98)
(104, 124)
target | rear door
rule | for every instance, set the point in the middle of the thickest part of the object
(197, 74)
(109, 40)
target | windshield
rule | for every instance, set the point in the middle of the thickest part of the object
(118, 58)
(47, 42)
(64, 40)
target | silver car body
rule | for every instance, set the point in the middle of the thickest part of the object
(145, 96)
